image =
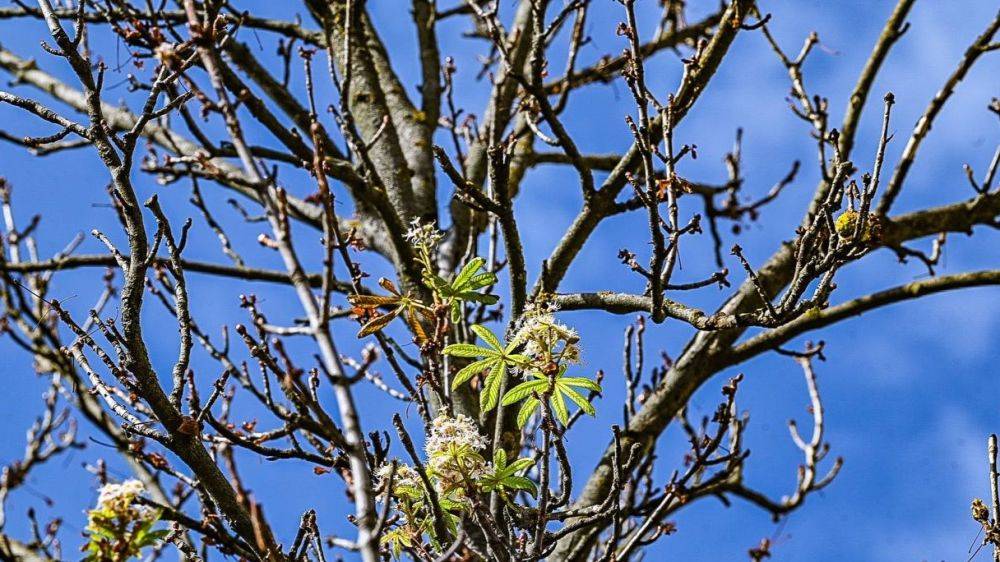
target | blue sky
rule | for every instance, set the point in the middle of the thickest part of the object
(907, 388)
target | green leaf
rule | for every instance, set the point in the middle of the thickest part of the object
(477, 297)
(512, 345)
(517, 359)
(470, 370)
(468, 350)
(578, 399)
(582, 382)
(526, 410)
(558, 404)
(488, 337)
(520, 465)
(521, 483)
(467, 272)
(491, 390)
(524, 390)
(482, 280)
(500, 458)
(435, 282)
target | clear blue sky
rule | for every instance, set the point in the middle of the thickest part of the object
(909, 390)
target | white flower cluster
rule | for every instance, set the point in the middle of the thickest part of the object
(119, 499)
(541, 305)
(405, 477)
(423, 234)
(453, 451)
(447, 431)
(115, 495)
(543, 336)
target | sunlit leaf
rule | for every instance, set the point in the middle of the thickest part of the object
(559, 408)
(579, 400)
(468, 350)
(469, 371)
(488, 337)
(500, 457)
(482, 280)
(524, 390)
(581, 382)
(491, 389)
(527, 408)
(520, 465)
(467, 272)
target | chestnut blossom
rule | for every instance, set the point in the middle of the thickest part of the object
(542, 336)
(119, 500)
(424, 235)
(453, 451)
(405, 477)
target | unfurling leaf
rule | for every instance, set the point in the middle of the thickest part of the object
(411, 310)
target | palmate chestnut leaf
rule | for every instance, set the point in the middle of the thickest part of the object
(495, 360)
(559, 389)
(506, 478)
(464, 287)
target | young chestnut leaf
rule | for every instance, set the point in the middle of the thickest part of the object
(411, 310)
(495, 360)
(464, 287)
(505, 478)
(558, 390)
